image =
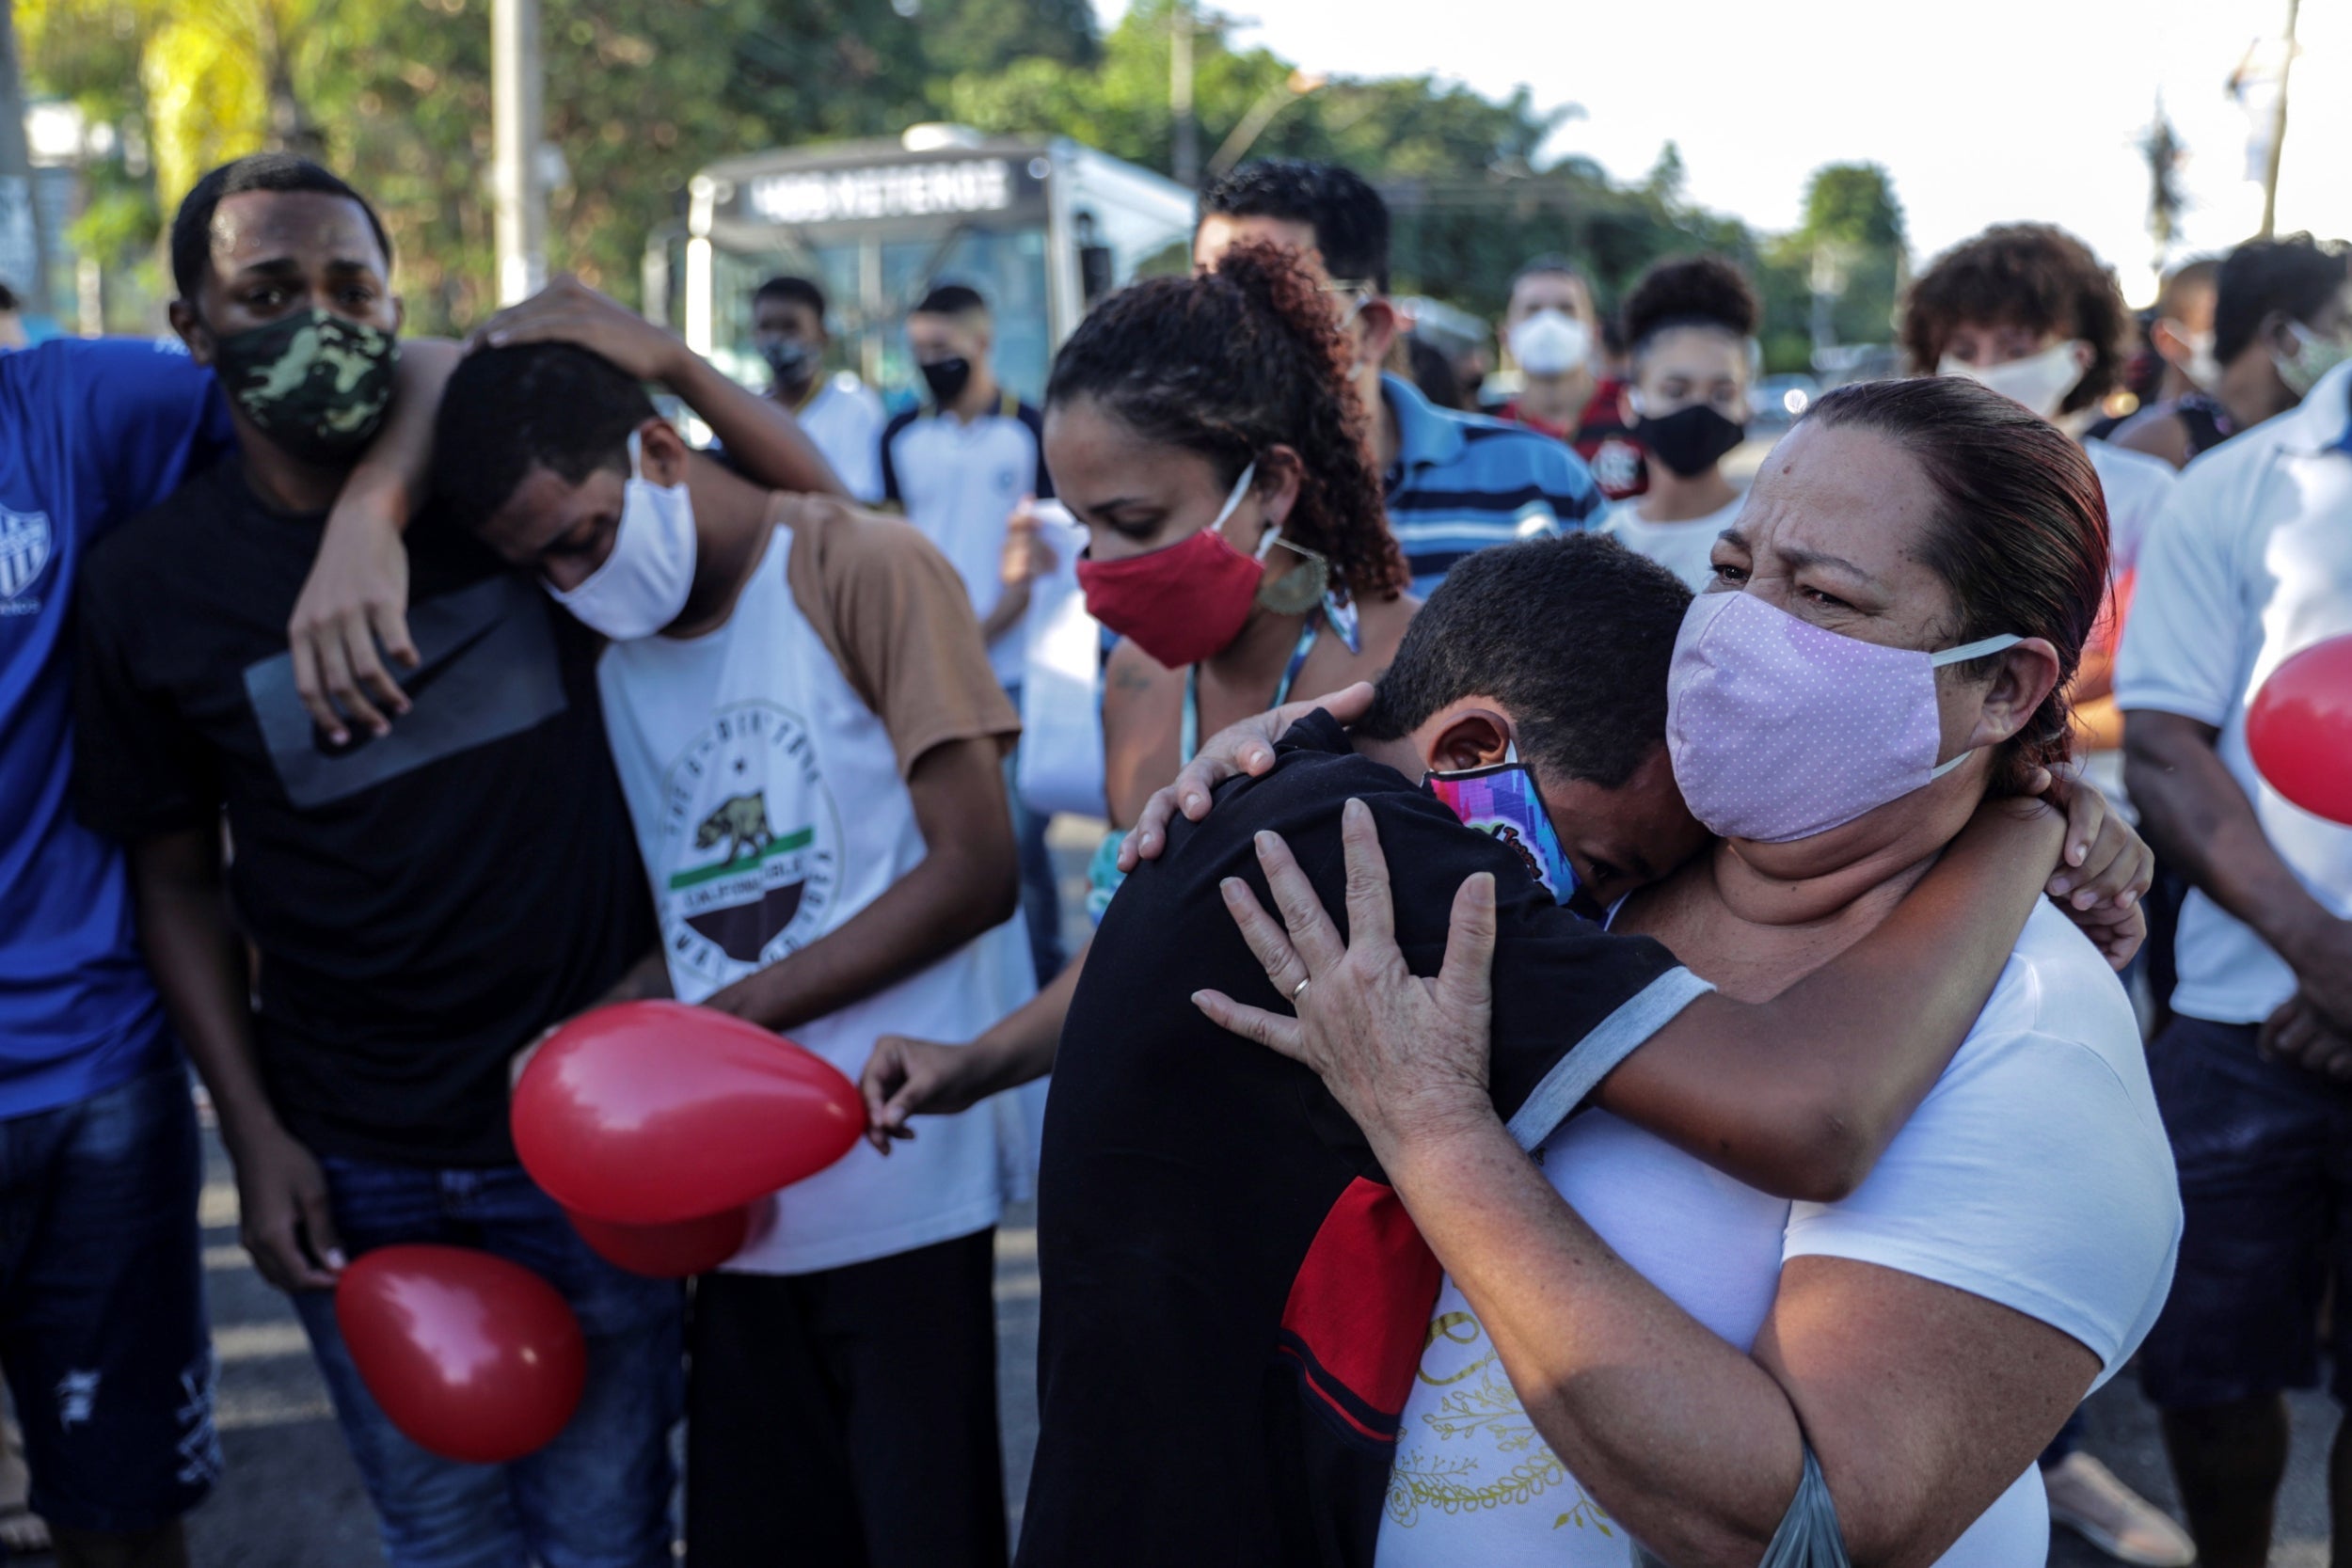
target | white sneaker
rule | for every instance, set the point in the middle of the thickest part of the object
(2087, 1498)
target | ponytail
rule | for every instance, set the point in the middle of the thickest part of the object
(1230, 363)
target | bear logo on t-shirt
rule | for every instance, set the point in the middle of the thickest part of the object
(750, 857)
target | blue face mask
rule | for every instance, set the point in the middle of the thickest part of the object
(1501, 800)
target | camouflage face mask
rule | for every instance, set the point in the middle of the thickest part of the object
(314, 384)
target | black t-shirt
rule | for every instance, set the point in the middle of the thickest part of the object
(424, 904)
(1233, 1301)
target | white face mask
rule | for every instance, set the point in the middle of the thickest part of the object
(642, 584)
(2203, 368)
(2039, 381)
(2313, 358)
(1552, 343)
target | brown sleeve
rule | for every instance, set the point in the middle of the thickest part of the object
(895, 618)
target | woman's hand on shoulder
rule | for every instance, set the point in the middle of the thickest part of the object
(2105, 870)
(1238, 749)
(1404, 1055)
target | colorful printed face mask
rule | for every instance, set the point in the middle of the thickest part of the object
(315, 384)
(1500, 800)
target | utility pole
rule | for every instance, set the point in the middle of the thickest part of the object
(22, 257)
(2279, 127)
(515, 122)
(1187, 162)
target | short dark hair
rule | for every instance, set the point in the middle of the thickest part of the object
(1573, 635)
(2020, 537)
(2202, 272)
(792, 291)
(2295, 276)
(9, 300)
(1432, 372)
(507, 411)
(950, 299)
(1349, 218)
(2031, 275)
(1689, 290)
(192, 230)
(1549, 264)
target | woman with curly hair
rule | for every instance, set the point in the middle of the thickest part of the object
(1691, 325)
(1207, 434)
(2027, 310)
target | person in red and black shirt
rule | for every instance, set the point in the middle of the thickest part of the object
(1233, 1302)
(1568, 389)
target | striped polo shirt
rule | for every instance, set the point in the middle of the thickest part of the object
(1463, 481)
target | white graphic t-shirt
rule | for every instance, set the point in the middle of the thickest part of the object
(767, 790)
(2036, 1174)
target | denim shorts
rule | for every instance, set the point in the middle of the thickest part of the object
(2264, 1151)
(599, 1496)
(101, 1306)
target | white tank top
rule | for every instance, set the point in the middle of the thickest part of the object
(769, 810)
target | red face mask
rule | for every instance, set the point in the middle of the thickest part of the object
(1183, 602)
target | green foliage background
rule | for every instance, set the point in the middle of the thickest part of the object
(395, 94)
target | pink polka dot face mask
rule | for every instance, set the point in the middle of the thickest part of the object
(1779, 730)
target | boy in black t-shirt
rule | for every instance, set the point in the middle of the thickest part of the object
(425, 900)
(1233, 1300)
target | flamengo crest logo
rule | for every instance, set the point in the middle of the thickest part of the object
(24, 545)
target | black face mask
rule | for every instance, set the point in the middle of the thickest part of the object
(1689, 440)
(313, 382)
(793, 363)
(946, 378)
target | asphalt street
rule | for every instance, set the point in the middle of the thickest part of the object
(291, 1499)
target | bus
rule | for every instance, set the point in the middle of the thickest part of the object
(1041, 226)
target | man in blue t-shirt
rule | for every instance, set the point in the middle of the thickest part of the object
(101, 1315)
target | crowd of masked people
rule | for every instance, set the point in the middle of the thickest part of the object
(1605, 1029)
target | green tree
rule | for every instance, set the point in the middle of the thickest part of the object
(1854, 204)
(993, 34)
(1853, 241)
(395, 93)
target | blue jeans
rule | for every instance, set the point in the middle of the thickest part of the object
(599, 1496)
(101, 1306)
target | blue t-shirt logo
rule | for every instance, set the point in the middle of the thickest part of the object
(24, 549)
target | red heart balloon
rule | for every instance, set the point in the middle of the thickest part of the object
(2299, 729)
(667, 1251)
(475, 1358)
(653, 1113)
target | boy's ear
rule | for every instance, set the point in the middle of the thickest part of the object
(1469, 734)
